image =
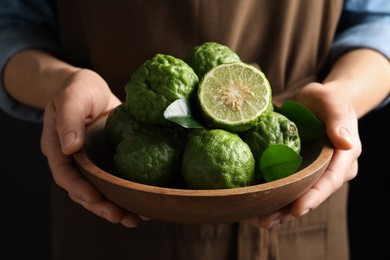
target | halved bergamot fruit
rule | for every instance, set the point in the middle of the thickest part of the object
(233, 96)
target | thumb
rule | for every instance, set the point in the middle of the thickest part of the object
(71, 120)
(61, 134)
(79, 105)
(341, 137)
(340, 128)
(336, 113)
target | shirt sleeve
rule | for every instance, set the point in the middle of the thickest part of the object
(25, 24)
(363, 24)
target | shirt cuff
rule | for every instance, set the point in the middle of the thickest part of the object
(11, 42)
(375, 36)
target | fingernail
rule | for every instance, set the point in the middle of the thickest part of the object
(275, 222)
(130, 222)
(346, 134)
(305, 212)
(144, 218)
(103, 214)
(68, 140)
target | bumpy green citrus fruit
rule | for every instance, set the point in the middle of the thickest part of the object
(272, 128)
(217, 159)
(156, 84)
(233, 96)
(120, 123)
(208, 55)
(151, 156)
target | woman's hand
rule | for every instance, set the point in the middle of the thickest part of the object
(341, 125)
(82, 98)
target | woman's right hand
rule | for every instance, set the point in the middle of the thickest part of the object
(82, 98)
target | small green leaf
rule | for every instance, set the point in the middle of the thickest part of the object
(309, 126)
(278, 161)
(179, 112)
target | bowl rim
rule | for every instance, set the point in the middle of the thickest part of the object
(83, 161)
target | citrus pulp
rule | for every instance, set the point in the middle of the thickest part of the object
(233, 96)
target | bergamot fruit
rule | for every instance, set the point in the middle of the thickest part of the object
(156, 84)
(151, 156)
(217, 159)
(272, 128)
(208, 55)
(120, 123)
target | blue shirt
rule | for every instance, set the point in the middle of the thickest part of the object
(32, 24)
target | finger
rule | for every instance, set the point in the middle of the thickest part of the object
(130, 220)
(81, 191)
(340, 125)
(71, 119)
(67, 177)
(342, 168)
(272, 219)
(62, 166)
(109, 211)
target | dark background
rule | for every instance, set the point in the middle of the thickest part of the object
(25, 199)
(370, 190)
(25, 194)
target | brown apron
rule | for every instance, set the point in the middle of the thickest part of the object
(289, 40)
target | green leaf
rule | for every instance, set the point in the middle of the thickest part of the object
(179, 112)
(278, 161)
(309, 126)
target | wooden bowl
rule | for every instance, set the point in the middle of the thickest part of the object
(182, 205)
